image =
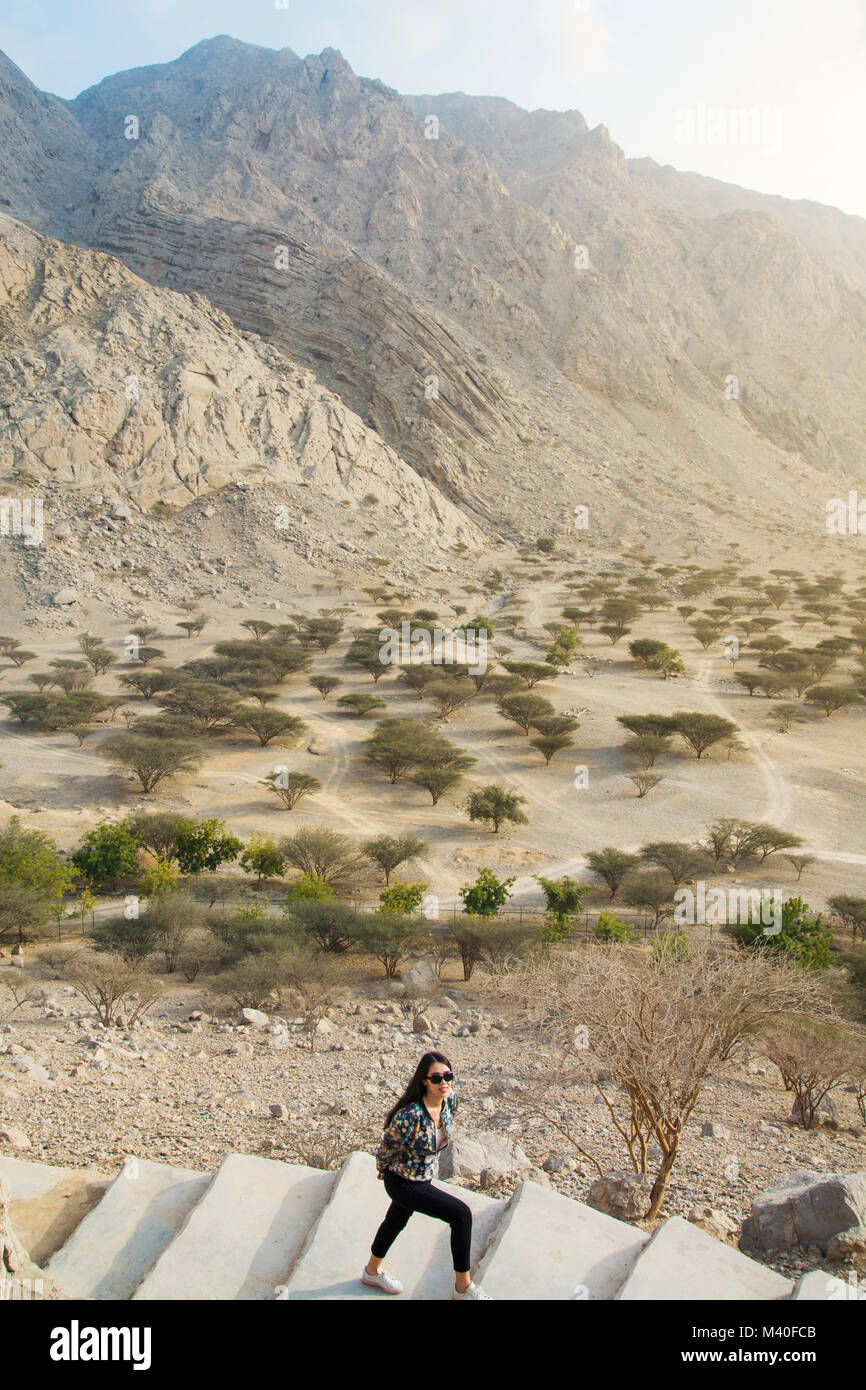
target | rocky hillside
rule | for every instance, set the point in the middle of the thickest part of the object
(147, 396)
(436, 286)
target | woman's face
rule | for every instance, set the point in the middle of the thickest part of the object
(436, 1087)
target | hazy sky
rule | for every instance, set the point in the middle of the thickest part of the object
(669, 78)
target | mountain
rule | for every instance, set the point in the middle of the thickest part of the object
(702, 356)
(145, 398)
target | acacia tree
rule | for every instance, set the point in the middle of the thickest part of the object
(831, 698)
(152, 760)
(291, 786)
(495, 805)
(700, 731)
(360, 705)
(851, 910)
(650, 1030)
(682, 861)
(398, 746)
(323, 853)
(612, 865)
(530, 672)
(268, 724)
(390, 851)
(550, 744)
(524, 710)
(437, 780)
(325, 684)
(648, 747)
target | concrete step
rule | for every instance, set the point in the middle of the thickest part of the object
(120, 1240)
(47, 1202)
(683, 1262)
(242, 1238)
(548, 1246)
(338, 1247)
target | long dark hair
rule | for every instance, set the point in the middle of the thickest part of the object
(415, 1090)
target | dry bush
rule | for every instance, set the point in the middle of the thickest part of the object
(647, 1030)
(172, 917)
(254, 981)
(266, 978)
(57, 958)
(15, 991)
(440, 949)
(813, 1058)
(321, 981)
(106, 982)
(417, 999)
(326, 1143)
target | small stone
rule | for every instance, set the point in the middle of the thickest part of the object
(243, 1100)
(841, 1246)
(279, 1112)
(557, 1163)
(15, 1137)
(711, 1129)
(716, 1223)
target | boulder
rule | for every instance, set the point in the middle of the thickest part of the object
(623, 1195)
(825, 1114)
(64, 597)
(421, 1024)
(805, 1208)
(470, 1155)
(421, 975)
(253, 1018)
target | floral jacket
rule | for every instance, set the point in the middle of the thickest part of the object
(408, 1145)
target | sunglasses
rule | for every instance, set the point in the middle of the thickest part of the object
(437, 1077)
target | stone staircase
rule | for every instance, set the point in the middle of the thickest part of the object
(260, 1229)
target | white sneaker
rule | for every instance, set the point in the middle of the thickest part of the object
(472, 1292)
(382, 1280)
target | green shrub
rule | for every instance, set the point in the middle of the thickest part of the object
(609, 927)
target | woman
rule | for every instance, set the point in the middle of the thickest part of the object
(417, 1127)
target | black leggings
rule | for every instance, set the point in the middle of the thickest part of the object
(407, 1197)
